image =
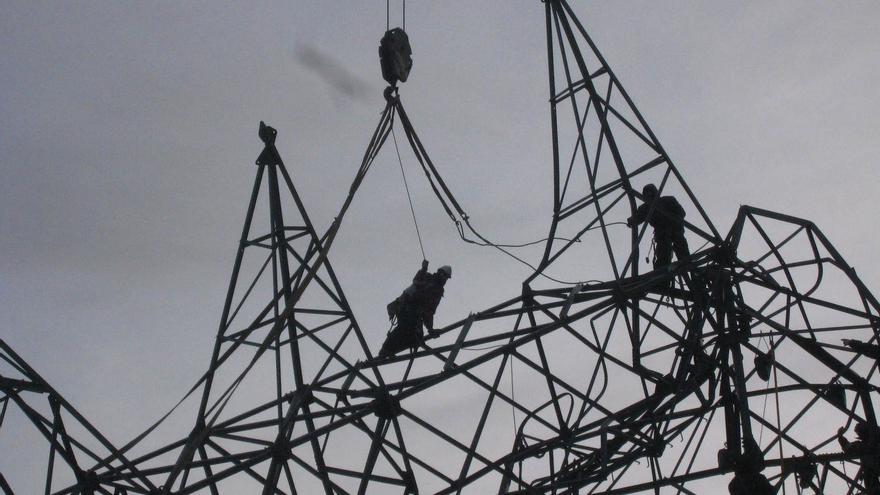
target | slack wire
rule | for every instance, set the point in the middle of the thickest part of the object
(501, 247)
(438, 185)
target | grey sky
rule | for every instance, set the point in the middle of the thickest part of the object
(128, 134)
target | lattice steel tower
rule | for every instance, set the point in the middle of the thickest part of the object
(749, 365)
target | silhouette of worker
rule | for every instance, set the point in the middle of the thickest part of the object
(866, 448)
(414, 309)
(666, 216)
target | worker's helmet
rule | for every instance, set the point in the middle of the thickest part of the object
(649, 191)
(445, 269)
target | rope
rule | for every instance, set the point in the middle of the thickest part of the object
(501, 247)
(438, 185)
(388, 15)
(525, 244)
(408, 196)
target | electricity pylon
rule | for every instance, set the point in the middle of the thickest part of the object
(747, 364)
(78, 455)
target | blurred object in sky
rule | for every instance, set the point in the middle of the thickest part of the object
(336, 76)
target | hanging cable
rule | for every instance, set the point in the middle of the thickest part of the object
(517, 258)
(448, 201)
(408, 196)
(388, 15)
(526, 244)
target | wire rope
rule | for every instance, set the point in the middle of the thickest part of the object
(408, 195)
(501, 247)
(388, 15)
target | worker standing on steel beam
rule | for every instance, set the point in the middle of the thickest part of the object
(666, 216)
(414, 309)
(867, 451)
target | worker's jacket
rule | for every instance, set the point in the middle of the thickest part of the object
(667, 217)
(419, 300)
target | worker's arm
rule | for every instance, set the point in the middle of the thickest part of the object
(677, 211)
(431, 303)
(421, 276)
(844, 443)
(639, 216)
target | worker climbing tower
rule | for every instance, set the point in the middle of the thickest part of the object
(272, 410)
(747, 364)
(603, 153)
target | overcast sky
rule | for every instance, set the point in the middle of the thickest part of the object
(128, 132)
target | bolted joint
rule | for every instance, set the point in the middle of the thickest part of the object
(528, 296)
(279, 451)
(666, 385)
(724, 254)
(89, 482)
(656, 448)
(303, 395)
(386, 406)
(620, 297)
(566, 434)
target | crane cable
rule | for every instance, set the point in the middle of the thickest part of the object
(388, 15)
(408, 196)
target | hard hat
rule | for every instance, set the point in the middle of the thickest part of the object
(650, 190)
(446, 269)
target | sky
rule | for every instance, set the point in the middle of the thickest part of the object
(128, 133)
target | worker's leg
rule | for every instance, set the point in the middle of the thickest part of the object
(680, 245)
(416, 336)
(392, 342)
(396, 340)
(406, 334)
(662, 250)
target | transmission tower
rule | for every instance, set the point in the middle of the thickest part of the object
(749, 365)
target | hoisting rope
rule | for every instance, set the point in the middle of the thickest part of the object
(459, 217)
(408, 196)
(388, 15)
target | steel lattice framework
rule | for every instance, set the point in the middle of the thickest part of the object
(725, 369)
